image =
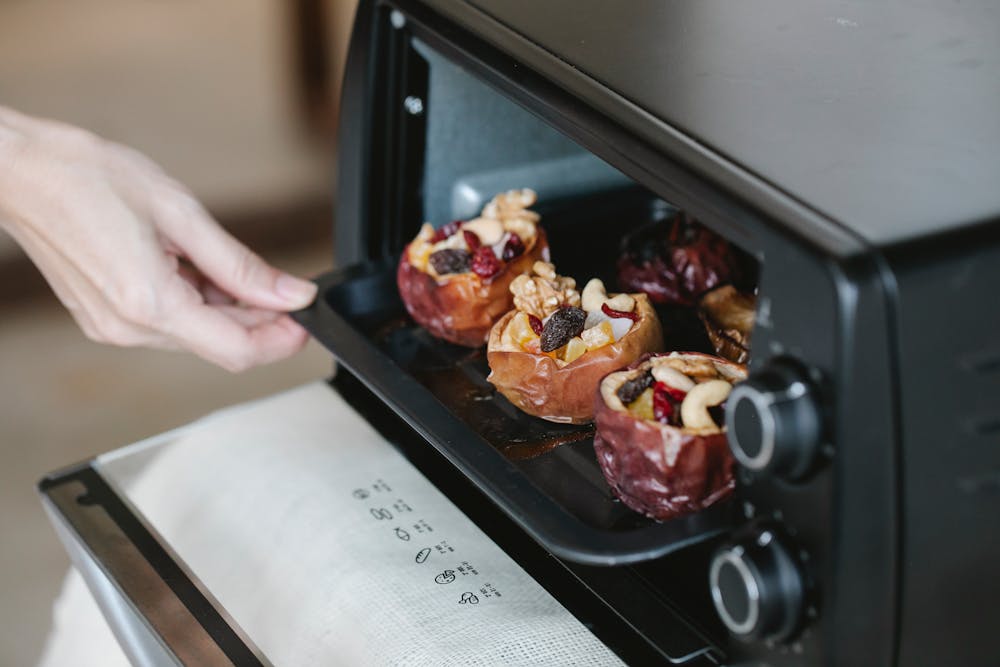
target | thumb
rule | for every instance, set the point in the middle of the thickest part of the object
(231, 265)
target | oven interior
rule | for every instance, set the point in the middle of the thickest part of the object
(450, 143)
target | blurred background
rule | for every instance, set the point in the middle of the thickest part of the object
(238, 100)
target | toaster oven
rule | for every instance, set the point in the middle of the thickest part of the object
(850, 157)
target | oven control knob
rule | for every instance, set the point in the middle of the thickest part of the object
(757, 588)
(773, 421)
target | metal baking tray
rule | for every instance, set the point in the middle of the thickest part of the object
(543, 475)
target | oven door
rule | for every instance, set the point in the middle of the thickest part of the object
(315, 527)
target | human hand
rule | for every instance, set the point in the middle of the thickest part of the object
(133, 256)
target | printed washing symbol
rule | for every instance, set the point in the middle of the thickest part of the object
(402, 534)
(445, 577)
(468, 598)
(361, 494)
(423, 554)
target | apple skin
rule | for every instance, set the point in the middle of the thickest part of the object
(658, 470)
(462, 308)
(537, 385)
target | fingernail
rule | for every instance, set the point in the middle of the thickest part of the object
(295, 291)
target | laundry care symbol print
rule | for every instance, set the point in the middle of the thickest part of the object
(402, 534)
(423, 554)
(468, 598)
(445, 577)
(361, 494)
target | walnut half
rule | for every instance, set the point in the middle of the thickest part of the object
(542, 292)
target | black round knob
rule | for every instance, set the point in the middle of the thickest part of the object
(757, 588)
(773, 421)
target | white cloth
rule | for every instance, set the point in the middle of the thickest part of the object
(328, 548)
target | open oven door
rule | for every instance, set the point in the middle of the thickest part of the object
(315, 527)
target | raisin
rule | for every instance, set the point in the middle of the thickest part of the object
(471, 240)
(450, 260)
(630, 389)
(485, 263)
(513, 248)
(611, 312)
(446, 230)
(667, 404)
(536, 324)
(562, 325)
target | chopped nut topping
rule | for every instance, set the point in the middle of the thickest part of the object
(542, 292)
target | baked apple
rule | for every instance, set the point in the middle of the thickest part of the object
(660, 438)
(455, 280)
(728, 315)
(675, 261)
(548, 355)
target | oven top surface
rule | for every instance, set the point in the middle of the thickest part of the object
(884, 117)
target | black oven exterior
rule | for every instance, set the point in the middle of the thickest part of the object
(862, 533)
(857, 510)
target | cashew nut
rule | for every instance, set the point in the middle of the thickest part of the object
(593, 295)
(672, 377)
(694, 408)
(621, 302)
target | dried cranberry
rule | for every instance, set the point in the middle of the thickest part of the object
(446, 230)
(667, 404)
(631, 389)
(536, 324)
(513, 247)
(611, 312)
(562, 325)
(485, 263)
(471, 240)
(450, 260)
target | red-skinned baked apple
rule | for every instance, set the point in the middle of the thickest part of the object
(454, 281)
(660, 438)
(548, 355)
(676, 261)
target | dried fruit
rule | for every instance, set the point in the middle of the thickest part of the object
(611, 312)
(574, 349)
(513, 248)
(446, 230)
(599, 336)
(471, 240)
(536, 324)
(485, 263)
(667, 404)
(642, 406)
(563, 324)
(450, 260)
(631, 389)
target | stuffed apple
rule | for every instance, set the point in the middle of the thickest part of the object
(548, 355)
(660, 436)
(455, 280)
(676, 261)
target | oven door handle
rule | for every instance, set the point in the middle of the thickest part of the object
(155, 610)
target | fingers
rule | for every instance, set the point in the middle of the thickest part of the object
(230, 264)
(237, 338)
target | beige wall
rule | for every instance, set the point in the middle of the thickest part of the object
(204, 87)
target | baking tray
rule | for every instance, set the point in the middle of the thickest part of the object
(543, 475)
